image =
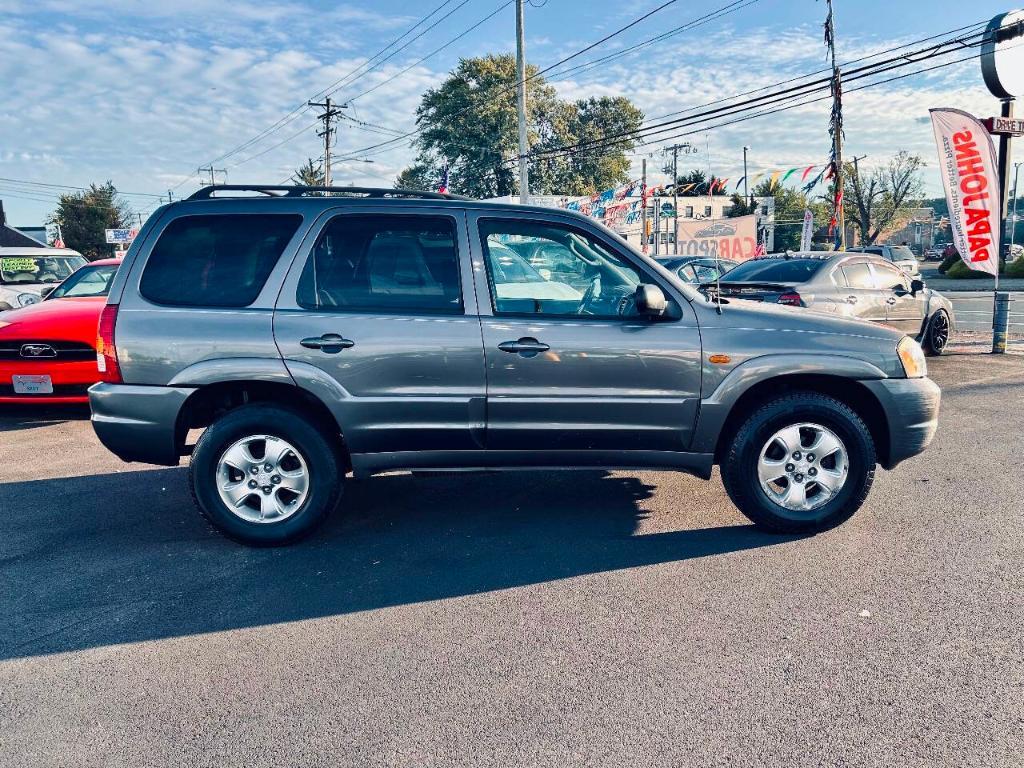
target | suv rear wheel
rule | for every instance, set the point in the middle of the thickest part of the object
(801, 463)
(264, 475)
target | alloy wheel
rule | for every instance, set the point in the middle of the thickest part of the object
(938, 332)
(802, 466)
(262, 479)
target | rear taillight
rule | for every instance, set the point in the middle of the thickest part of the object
(106, 352)
(792, 299)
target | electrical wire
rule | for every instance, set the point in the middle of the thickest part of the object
(792, 92)
(296, 112)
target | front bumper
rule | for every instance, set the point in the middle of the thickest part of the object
(138, 423)
(911, 408)
(70, 379)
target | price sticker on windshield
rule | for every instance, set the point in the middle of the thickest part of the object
(18, 265)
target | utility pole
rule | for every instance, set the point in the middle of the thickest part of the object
(212, 171)
(643, 205)
(524, 174)
(836, 126)
(674, 149)
(330, 111)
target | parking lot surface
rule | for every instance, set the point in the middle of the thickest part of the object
(546, 619)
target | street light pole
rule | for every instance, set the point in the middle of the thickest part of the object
(524, 175)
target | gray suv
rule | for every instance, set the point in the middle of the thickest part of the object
(304, 333)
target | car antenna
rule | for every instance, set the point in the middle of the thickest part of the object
(718, 282)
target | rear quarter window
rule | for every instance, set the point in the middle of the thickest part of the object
(221, 260)
(776, 271)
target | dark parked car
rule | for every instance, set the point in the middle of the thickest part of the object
(368, 331)
(850, 284)
(697, 269)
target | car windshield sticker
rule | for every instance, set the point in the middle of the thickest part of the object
(18, 265)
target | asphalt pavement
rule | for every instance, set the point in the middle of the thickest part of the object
(540, 619)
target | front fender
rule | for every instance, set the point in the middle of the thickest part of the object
(715, 409)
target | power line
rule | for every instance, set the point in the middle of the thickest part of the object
(70, 187)
(538, 73)
(436, 51)
(791, 92)
(290, 116)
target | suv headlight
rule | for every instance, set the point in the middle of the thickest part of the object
(912, 357)
(24, 299)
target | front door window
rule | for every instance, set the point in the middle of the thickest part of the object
(555, 271)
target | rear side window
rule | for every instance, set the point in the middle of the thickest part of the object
(216, 261)
(776, 270)
(858, 276)
(385, 264)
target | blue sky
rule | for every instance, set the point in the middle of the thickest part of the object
(143, 92)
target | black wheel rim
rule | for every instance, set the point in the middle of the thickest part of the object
(939, 332)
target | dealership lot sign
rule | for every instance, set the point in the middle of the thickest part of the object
(967, 162)
(121, 235)
(718, 238)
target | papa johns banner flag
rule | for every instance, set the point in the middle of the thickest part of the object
(967, 159)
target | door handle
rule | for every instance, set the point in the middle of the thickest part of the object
(851, 299)
(526, 346)
(330, 343)
(890, 300)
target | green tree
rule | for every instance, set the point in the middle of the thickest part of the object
(740, 206)
(696, 176)
(469, 124)
(875, 200)
(418, 176)
(309, 175)
(83, 217)
(790, 205)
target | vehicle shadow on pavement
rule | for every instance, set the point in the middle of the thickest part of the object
(18, 417)
(120, 558)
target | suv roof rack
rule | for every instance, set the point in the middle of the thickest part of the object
(293, 190)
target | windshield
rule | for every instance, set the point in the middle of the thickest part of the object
(19, 270)
(775, 271)
(902, 253)
(510, 267)
(88, 281)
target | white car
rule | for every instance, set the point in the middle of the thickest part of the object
(900, 255)
(25, 272)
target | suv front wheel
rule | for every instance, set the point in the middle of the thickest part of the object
(801, 463)
(264, 475)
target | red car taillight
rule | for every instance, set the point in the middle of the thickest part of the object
(792, 299)
(106, 352)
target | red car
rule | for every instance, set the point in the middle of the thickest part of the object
(47, 350)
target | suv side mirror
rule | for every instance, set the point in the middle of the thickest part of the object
(650, 300)
(915, 286)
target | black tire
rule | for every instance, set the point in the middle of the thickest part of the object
(740, 465)
(936, 334)
(321, 461)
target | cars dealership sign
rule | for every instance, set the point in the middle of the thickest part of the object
(967, 162)
(722, 238)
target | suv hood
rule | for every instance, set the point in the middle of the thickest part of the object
(780, 317)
